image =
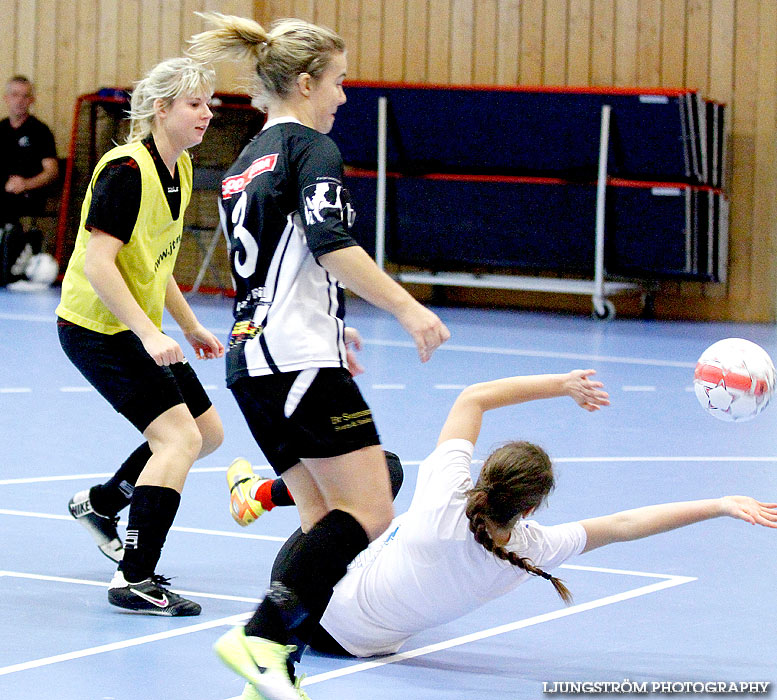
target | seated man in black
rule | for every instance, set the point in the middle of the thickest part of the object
(28, 156)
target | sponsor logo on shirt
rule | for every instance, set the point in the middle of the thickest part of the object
(168, 251)
(327, 199)
(24, 141)
(237, 183)
(243, 331)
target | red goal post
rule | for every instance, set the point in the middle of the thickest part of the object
(100, 123)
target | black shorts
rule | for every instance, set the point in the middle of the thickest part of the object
(312, 413)
(121, 370)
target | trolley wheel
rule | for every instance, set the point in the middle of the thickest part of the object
(604, 310)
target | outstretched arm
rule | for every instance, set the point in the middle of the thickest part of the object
(466, 415)
(652, 520)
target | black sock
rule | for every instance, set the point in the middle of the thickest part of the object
(280, 494)
(116, 493)
(396, 473)
(304, 575)
(151, 516)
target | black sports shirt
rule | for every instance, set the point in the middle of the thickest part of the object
(283, 205)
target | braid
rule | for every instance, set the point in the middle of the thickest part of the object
(499, 498)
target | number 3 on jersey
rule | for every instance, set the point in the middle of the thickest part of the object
(250, 247)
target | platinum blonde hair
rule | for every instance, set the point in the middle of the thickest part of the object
(166, 81)
(290, 47)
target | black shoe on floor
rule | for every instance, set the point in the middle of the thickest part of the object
(102, 528)
(149, 597)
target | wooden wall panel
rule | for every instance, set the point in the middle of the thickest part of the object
(416, 40)
(603, 42)
(368, 55)
(725, 48)
(532, 22)
(25, 50)
(46, 62)
(326, 13)
(508, 42)
(762, 249)
(8, 35)
(579, 43)
(462, 41)
(743, 150)
(626, 42)
(439, 41)
(128, 51)
(485, 38)
(649, 43)
(392, 44)
(554, 31)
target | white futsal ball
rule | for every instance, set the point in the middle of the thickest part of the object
(734, 379)
(42, 269)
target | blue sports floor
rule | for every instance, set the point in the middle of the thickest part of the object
(695, 605)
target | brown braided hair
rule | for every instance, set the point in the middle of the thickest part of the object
(516, 478)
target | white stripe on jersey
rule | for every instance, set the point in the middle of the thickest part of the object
(298, 311)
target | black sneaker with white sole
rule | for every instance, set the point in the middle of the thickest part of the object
(101, 527)
(149, 597)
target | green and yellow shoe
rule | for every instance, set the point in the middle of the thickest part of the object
(260, 661)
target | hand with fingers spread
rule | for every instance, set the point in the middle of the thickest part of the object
(750, 510)
(353, 343)
(586, 393)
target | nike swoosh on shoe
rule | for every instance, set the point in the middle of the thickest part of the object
(159, 602)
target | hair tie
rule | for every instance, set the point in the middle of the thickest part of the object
(544, 574)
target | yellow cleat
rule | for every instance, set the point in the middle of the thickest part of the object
(241, 481)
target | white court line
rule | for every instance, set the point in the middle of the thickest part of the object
(76, 389)
(663, 459)
(15, 390)
(446, 347)
(538, 353)
(410, 463)
(175, 528)
(669, 582)
(5, 316)
(105, 475)
(638, 388)
(135, 641)
(104, 584)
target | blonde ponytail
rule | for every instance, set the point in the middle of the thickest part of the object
(233, 38)
(290, 47)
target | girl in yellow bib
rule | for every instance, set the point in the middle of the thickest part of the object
(118, 282)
